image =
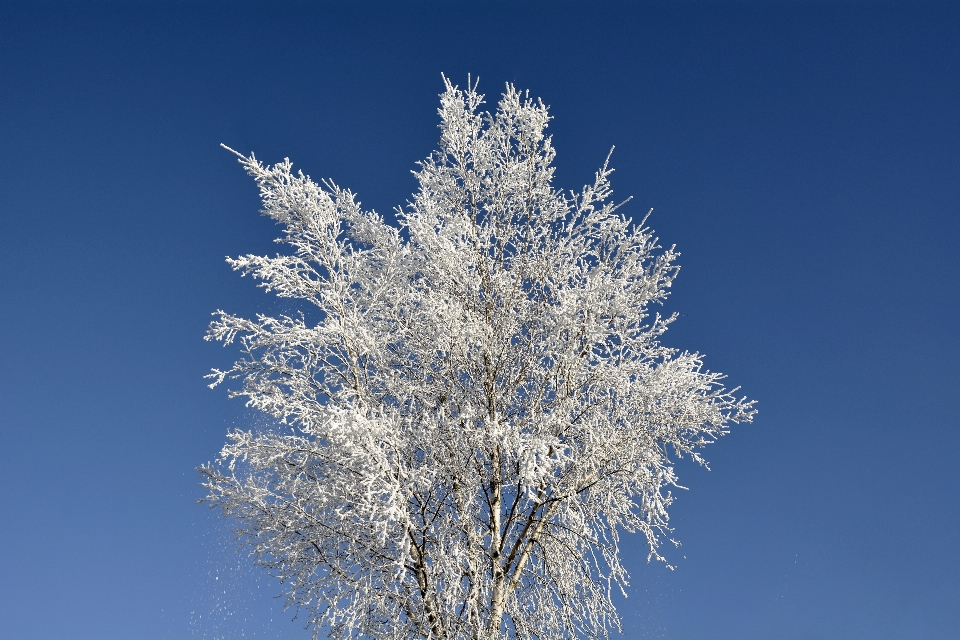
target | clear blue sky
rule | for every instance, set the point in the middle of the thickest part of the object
(804, 157)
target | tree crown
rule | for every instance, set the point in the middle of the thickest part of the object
(482, 404)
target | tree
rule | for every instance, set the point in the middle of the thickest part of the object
(473, 407)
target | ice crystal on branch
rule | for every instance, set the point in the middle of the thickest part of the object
(482, 406)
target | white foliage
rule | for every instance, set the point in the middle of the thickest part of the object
(477, 407)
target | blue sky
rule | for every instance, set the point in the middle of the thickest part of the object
(804, 157)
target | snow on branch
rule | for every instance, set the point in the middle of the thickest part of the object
(484, 405)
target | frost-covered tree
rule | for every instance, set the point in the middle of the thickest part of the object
(473, 407)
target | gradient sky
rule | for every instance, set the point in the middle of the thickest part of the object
(804, 157)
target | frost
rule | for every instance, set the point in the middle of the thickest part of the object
(482, 406)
